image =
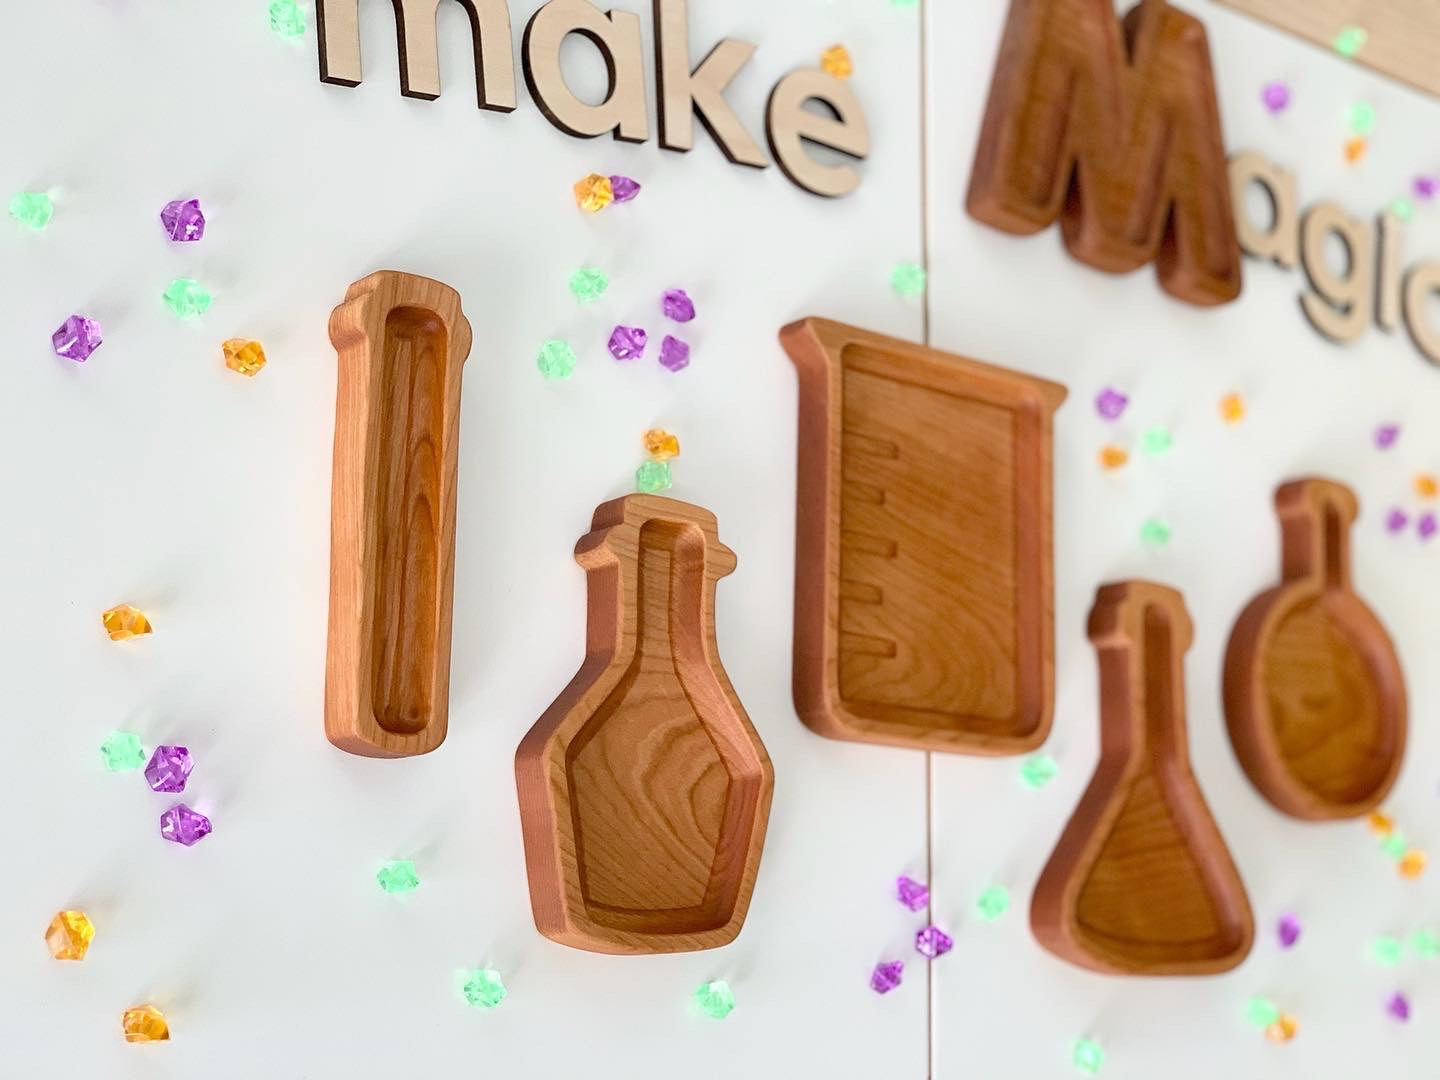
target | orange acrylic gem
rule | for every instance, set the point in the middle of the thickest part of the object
(1232, 408)
(1283, 1030)
(1381, 824)
(144, 1024)
(836, 61)
(661, 445)
(594, 193)
(1113, 457)
(1412, 865)
(1355, 150)
(125, 621)
(246, 357)
(69, 935)
(1427, 486)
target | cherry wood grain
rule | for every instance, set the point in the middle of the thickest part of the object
(644, 790)
(1113, 130)
(1314, 693)
(923, 581)
(402, 342)
(1141, 882)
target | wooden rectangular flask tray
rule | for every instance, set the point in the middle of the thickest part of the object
(924, 608)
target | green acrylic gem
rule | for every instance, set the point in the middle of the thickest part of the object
(32, 208)
(398, 876)
(186, 297)
(715, 999)
(588, 284)
(1425, 944)
(1156, 441)
(1088, 1056)
(905, 5)
(1402, 208)
(653, 476)
(122, 751)
(1261, 1012)
(1395, 845)
(286, 18)
(556, 360)
(1351, 40)
(1155, 533)
(1361, 118)
(1038, 771)
(908, 279)
(993, 903)
(483, 988)
(1387, 951)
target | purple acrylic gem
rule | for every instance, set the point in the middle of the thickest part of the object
(911, 893)
(933, 942)
(1386, 435)
(677, 305)
(624, 188)
(169, 768)
(1396, 520)
(183, 825)
(1276, 96)
(77, 338)
(1429, 526)
(1426, 187)
(628, 343)
(1110, 403)
(183, 220)
(886, 976)
(1289, 931)
(674, 354)
(1398, 1006)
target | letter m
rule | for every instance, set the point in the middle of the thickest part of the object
(1115, 131)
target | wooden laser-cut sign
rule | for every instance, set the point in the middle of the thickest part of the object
(402, 342)
(1115, 132)
(1314, 693)
(683, 92)
(923, 578)
(644, 790)
(1141, 882)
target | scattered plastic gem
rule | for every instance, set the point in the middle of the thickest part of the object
(1398, 1007)
(1386, 951)
(836, 61)
(1395, 845)
(1386, 435)
(1288, 930)
(913, 894)
(33, 209)
(1111, 403)
(1361, 118)
(69, 935)
(588, 284)
(1283, 1030)
(628, 342)
(483, 988)
(623, 188)
(169, 768)
(653, 477)
(1156, 533)
(677, 305)
(1232, 408)
(1380, 824)
(1038, 771)
(122, 751)
(556, 359)
(246, 357)
(1429, 525)
(1276, 96)
(715, 999)
(1412, 865)
(183, 219)
(1425, 944)
(1156, 440)
(125, 621)
(144, 1024)
(183, 825)
(661, 445)
(1355, 150)
(993, 903)
(1113, 457)
(1087, 1056)
(1261, 1012)
(933, 942)
(908, 279)
(887, 976)
(1427, 486)
(286, 18)
(1402, 208)
(398, 876)
(1396, 520)
(1350, 40)
(594, 193)
(77, 338)
(674, 354)
(1426, 187)
(186, 297)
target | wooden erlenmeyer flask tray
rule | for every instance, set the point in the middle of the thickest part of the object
(1141, 882)
(1314, 693)
(402, 342)
(644, 789)
(923, 568)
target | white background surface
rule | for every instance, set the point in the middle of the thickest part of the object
(152, 474)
